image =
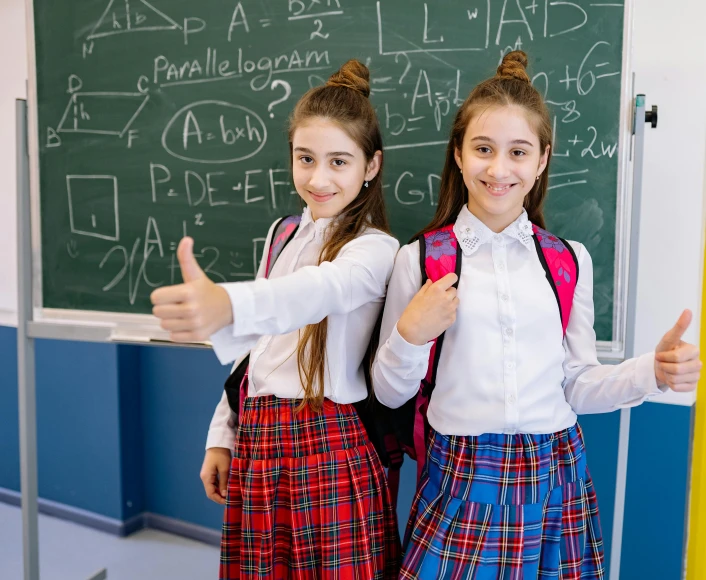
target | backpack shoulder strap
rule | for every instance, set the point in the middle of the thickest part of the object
(236, 385)
(561, 268)
(439, 255)
(284, 231)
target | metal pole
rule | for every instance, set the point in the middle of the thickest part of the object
(640, 117)
(25, 357)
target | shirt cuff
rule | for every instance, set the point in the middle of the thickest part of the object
(229, 347)
(645, 378)
(242, 300)
(405, 350)
(220, 438)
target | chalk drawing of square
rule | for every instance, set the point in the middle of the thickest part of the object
(93, 206)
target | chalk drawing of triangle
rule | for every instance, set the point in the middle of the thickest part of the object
(126, 16)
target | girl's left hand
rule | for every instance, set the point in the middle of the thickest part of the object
(677, 363)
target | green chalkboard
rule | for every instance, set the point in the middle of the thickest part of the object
(163, 118)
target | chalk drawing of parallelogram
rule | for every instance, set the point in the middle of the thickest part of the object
(93, 206)
(127, 16)
(101, 113)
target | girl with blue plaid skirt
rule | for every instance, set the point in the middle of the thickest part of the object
(505, 491)
(306, 496)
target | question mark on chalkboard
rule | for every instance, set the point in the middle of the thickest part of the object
(287, 92)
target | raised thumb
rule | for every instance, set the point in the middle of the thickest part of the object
(673, 336)
(190, 269)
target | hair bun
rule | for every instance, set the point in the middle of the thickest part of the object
(353, 75)
(514, 66)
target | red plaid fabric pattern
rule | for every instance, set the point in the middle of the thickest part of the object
(307, 497)
(516, 507)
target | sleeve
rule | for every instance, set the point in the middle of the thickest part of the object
(590, 387)
(221, 431)
(358, 275)
(400, 366)
(226, 344)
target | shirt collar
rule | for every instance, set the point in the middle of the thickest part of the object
(319, 226)
(472, 233)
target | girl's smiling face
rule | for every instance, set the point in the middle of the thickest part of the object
(500, 159)
(329, 168)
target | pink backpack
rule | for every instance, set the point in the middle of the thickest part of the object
(440, 254)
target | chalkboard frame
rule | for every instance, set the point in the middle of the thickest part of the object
(99, 326)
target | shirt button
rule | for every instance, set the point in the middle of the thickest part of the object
(511, 399)
(510, 365)
(501, 266)
(503, 297)
(508, 331)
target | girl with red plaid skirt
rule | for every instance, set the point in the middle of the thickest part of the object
(505, 491)
(306, 496)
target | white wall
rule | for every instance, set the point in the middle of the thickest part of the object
(12, 86)
(670, 67)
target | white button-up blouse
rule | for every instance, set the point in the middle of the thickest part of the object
(504, 365)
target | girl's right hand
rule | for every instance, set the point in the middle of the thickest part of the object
(431, 311)
(214, 473)
(196, 309)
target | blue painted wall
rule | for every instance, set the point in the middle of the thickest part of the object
(656, 499)
(180, 390)
(78, 425)
(9, 426)
(122, 430)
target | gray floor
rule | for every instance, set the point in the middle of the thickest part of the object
(71, 552)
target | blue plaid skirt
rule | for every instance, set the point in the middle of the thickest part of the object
(511, 507)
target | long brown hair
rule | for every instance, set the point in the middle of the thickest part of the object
(344, 101)
(511, 85)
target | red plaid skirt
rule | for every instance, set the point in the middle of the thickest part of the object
(307, 497)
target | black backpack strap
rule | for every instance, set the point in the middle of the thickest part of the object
(236, 387)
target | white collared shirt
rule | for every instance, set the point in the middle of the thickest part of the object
(504, 367)
(269, 312)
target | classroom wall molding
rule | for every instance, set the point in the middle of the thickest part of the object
(145, 520)
(77, 515)
(182, 528)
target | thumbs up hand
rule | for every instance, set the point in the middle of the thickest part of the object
(677, 363)
(194, 310)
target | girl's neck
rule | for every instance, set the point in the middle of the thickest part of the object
(495, 223)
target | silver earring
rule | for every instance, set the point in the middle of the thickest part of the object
(537, 178)
(460, 171)
(365, 184)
